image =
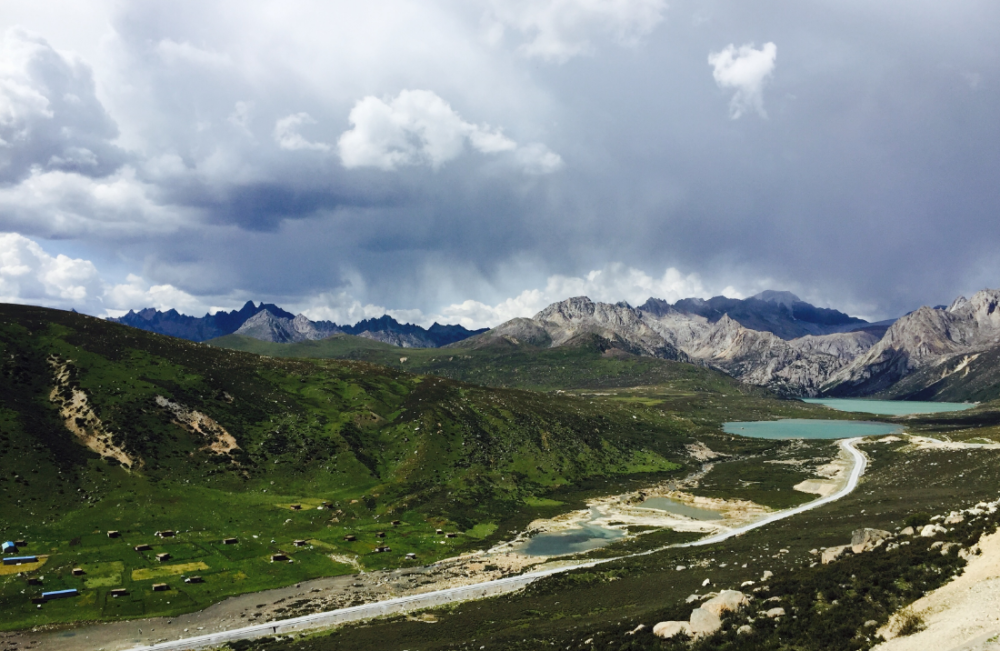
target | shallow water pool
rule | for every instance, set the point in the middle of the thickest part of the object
(802, 428)
(667, 504)
(581, 539)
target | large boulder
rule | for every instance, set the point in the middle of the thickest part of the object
(775, 612)
(725, 601)
(865, 540)
(667, 630)
(830, 554)
(704, 622)
(931, 530)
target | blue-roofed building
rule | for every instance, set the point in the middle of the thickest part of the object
(18, 560)
(9, 547)
(59, 594)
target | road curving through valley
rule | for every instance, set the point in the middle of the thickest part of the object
(411, 603)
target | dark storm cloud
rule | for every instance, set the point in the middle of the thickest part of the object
(418, 157)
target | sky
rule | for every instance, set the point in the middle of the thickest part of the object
(470, 161)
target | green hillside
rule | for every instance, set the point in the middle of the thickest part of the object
(590, 363)
(215, 443)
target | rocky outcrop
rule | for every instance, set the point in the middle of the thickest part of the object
(865, 540)
(706, 619)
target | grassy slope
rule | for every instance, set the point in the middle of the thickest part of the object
(588, 365)
(376, 442)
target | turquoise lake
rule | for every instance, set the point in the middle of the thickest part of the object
(889, 407)
(801, 428)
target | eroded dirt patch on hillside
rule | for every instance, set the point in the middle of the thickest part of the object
(220, 441)
(79, 416)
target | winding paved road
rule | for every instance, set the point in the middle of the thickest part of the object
(478, 591)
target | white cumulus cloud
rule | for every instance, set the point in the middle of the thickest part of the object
(31, 275)
(558, 30)
(417, 127)
(28, 274)
(286, 133)
(744, 70)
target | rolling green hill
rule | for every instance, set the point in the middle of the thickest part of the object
(110, 428)
(591, 362)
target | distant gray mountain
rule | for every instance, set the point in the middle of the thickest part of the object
(194, 328)
(781, 313)
(268, 327)
(271, 323)
(693, 330)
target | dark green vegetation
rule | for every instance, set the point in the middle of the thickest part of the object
(831, 603)
(368, 444)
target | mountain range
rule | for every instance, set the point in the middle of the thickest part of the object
(269, 322)
(840, 355)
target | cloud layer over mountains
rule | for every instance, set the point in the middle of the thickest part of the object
(468, 161)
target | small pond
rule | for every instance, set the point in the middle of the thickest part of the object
(801, 428)
(889, 407)
(667, 504)
(579, 539)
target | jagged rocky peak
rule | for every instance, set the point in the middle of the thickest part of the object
(787, 299)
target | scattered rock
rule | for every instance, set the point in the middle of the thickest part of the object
(706, 582)
(931, 530)
(870, 623)
(865, 540)
(907, 532)
(830, 554)
(746, 629)
(726, 601)
(746, 584)
(681, 568)
(667, 630)
(767, 575)
(704, 622)
(638, 628)
(954, 518)
(775, 612)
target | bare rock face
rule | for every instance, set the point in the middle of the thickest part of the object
(577, 320)
(830, 554)
(865, 540)
(725, 601)
(667, 630)
(704, 622)
(919, 339)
